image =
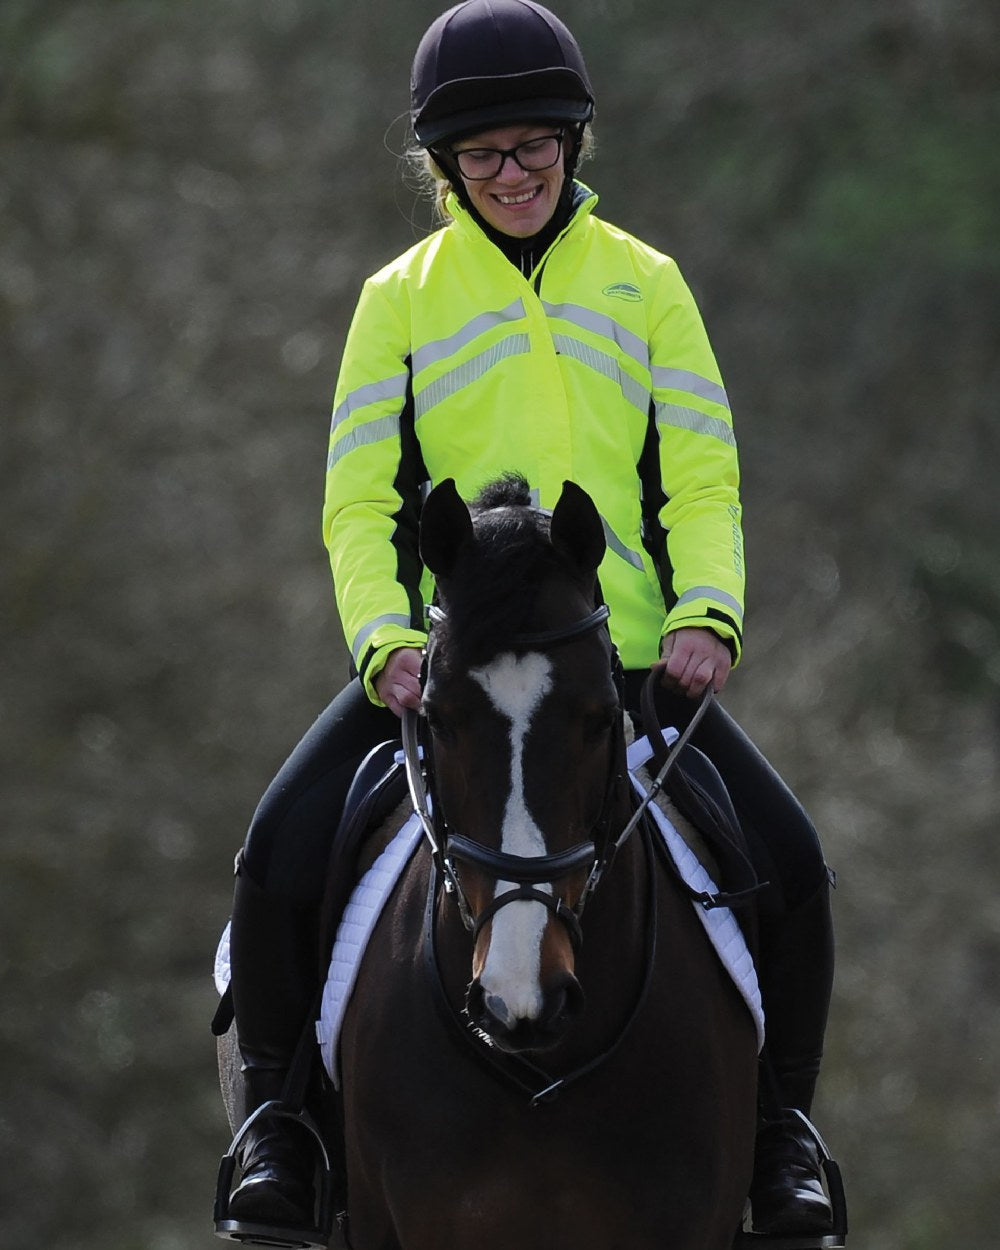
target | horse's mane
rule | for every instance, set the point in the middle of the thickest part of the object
(493, 591)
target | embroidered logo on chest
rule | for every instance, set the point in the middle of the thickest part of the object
(624, 290)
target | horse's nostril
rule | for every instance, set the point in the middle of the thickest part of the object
(486, 1008)
(474, 1000)
(558, 1007)
(499, 1010)
(563, 1003)
(483, 1007)
(575, 998)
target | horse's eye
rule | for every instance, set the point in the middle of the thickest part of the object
(599, 724)
(436, 725)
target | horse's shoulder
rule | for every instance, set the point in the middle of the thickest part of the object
(379, 835)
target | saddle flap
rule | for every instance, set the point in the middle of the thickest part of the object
(696, 787)
(377, 789)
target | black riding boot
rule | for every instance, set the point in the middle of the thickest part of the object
(274, 973)
(796, 973)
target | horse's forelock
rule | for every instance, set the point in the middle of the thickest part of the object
(508, 490)
(492, 593)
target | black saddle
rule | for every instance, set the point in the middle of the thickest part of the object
(377, 789)
(696, 786)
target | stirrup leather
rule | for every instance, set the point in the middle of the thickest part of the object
(835, 1238)
(284, 1237)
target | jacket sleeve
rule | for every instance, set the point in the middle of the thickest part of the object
(373, 480)
(699, 469)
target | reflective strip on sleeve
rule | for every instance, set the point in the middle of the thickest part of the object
(717, 596)
(697, 422)
(370, 393)
(366, 631)
(691, 383)
(363, 436)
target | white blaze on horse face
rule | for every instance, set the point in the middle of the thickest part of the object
(516, 686)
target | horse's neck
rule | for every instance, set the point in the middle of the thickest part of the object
(618, 909)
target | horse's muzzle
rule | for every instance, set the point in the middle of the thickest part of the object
(561, 1003)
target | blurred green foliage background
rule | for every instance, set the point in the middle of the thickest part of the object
(191, 194)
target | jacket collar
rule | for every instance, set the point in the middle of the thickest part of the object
(582, 204)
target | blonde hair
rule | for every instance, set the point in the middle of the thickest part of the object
(435, 185)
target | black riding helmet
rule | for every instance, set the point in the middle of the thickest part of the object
(490, 63)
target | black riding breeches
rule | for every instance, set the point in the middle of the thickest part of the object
(288, 846)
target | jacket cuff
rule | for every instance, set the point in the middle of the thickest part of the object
(375, 658)
(719, 622)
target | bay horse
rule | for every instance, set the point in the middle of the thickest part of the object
(516, 1074)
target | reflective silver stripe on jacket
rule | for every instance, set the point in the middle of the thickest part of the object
(363, 436)
(616, 545)
(692, 383)
(372, 431)
(717, 596)
(441, 349)
(695, 421)
(634, 392)
(599, 323)
(370, 393)
(469, 371)
(366, 631)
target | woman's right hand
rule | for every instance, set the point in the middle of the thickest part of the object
(398, 684)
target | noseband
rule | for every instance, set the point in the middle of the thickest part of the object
(527, 871)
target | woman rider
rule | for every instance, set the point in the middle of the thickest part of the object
(527, 335)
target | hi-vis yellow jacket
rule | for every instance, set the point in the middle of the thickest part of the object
(597, 368)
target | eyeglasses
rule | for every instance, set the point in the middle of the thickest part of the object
(478, 164)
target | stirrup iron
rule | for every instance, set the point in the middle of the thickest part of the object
(284, 1237)
(836, 1237)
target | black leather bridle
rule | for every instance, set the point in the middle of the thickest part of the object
(528, 872)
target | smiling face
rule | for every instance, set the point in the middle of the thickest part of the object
(516, 202)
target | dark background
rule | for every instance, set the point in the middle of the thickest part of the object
(191, 194)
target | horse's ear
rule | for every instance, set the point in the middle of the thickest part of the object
(445, 524)
(577, 531)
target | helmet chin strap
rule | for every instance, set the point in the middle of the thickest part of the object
(573, 155)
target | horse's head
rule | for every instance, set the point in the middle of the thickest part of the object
(525, 726)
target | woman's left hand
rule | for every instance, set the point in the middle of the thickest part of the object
(692, 659)
(398, 684)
